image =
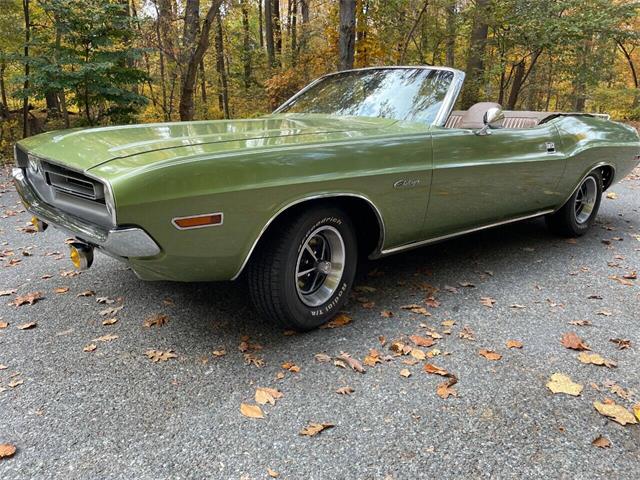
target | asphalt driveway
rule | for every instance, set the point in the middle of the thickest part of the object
(112, 412)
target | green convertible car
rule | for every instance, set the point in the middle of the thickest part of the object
(371, 161)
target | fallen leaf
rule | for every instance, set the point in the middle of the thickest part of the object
(110, 321)
(622, 343)
(421, 341)
(466, 284)
(559, 383)
(612, 195)
(7, 450)
(490, 355)
(580, 323)
(156, 320)
(4, 293)
(339, 320)
(90, 348)
(313, 429)
(27, 326)
(615, 412)
(514, 344)
(60, 290)
(251, 359)
(292, 367)
(3, 325)
(14, 383)
(405, 373)
(105, 300)
(106, 338)
(604, 313)
(3, 367)
(434, 370)
(322, 358)
(601, 442)
(219, 353)
(488, 301)
(467, 333)
(418, 354)
(446, 390)
(86, 293)
(415, 308)
(251, 411)
(517, 305)
(272, 473)
(345, 390)
(636, 411)
(110, 311)
(572, 341)
(352, 362)
(372, 358)
(386, 313)
(160, 356)
(267, 395)
(29, 298)
(595, 359)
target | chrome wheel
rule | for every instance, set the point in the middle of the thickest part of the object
(320, 266)
(586, 200)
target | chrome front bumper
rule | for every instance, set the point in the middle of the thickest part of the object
(121, 242)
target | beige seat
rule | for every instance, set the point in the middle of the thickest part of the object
(474, 117)
(513, 118)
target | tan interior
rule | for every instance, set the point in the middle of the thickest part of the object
(474, 117)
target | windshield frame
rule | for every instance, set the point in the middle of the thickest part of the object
(445, 109)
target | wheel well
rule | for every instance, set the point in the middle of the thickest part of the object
(608, 173)
(368, 226)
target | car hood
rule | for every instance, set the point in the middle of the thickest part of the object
(84, 149)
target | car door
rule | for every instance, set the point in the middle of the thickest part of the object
(479, 180)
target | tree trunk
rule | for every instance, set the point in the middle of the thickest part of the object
(518, 79)
(260, 24)
(304, 27)
(294, 31)
(580, 80)
(203, 83)
(4, 106)
(268, 30)
(223, 96)
(246, 45)
(634, 74)
(347, 38)
(190, 72)
(475, 59)
(27, 38)
(277, 27)
(451, 33)
(417, 21)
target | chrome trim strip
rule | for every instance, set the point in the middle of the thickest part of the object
(596, 166)
(429, 241)
(447, 104)
(122, 242)
(173, 221)
(315, 197)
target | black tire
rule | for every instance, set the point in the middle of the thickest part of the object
(570, 220)
(273, 271)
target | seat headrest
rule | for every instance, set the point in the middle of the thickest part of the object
(474, 117)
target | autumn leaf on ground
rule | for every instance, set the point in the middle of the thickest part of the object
(580, 323)
(160, 356)
(517, 306)
(622, 343)
(636, 411)
(421, 341)
(156, 320)
(90, 348)
(466, 284)
(601, 442)
(110, 311)
(60, 290)
(251, 411)
(339, 320)
(15, 382)
(266, 395)
(415, 308)
(488, 301)
(386, 313)
(467, 333)
(446, 390)
(345, 359)
(219, 353)
(405, 373)
(322, 358)
(313, 429)
(86, 293)
(559, 383)
(4, 293)
(272, 473)
(110, 321)
(434, 370)
(372, 358)
(106, 338)
(290, 366)
(595, 359)
(27, 326)
(514, 344)
(615, 412)
(418, 354)
(572, 341)
(7, 450)
(105, 300)
(3, 367)
(612, 195)
(3, 325)
(251, 359)
(29, 298)
(490, 354)
(345, 391)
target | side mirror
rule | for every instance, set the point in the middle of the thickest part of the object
(493, 118)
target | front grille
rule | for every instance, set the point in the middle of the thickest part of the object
(71, 182)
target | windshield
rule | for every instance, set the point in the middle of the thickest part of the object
(409, 94)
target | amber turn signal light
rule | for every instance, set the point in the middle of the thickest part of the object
(198, 221)
(81, 255)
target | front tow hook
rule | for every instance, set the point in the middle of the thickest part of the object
(81, 255)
